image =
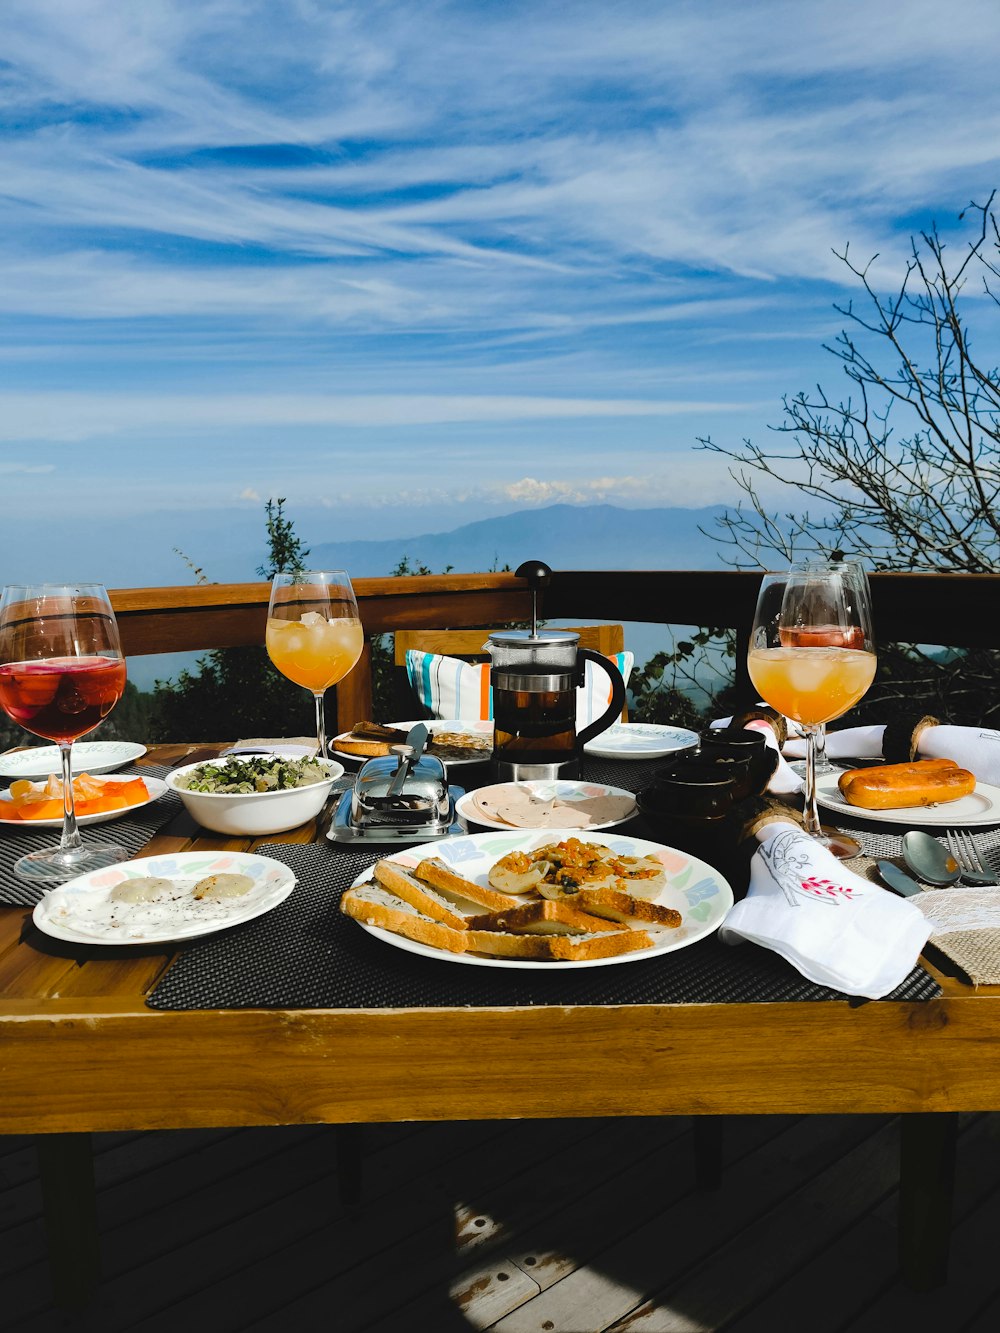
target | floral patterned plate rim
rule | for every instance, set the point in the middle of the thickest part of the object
(83, 912)
(693, 887)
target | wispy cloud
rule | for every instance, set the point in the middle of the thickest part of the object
(72, 417)
(13, 469)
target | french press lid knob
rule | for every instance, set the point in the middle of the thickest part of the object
(538, 576)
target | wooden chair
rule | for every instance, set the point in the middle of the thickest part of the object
(468, 645)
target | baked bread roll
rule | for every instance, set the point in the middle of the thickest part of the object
(897, 786)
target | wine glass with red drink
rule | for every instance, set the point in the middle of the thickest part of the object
(61, 674)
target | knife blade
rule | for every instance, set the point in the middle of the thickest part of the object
(417, 737)
(409, 753)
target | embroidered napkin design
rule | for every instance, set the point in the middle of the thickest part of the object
(836, 928)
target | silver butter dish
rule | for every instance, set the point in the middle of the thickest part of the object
(400, 797)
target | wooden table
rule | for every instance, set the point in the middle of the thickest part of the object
(81, 1052)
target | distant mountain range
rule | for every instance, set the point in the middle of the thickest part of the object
(564, 536)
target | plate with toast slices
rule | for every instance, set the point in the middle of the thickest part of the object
(452, 740)
(554, 898)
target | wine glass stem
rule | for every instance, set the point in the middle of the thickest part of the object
(811, 813)
(821, 762)
(320, 727)
(70, 833)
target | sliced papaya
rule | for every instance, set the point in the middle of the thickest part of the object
(41, 809)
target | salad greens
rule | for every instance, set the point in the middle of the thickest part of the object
(259, 774)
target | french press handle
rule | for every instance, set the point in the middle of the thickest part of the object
(617, 703)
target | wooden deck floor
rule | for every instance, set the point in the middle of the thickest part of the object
(526, 1227)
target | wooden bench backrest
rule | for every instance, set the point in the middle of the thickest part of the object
(468, 644)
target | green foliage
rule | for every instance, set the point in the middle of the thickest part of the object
(235, 693)
(285, 550)
(665, 689)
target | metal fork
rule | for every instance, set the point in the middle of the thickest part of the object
(974, 869)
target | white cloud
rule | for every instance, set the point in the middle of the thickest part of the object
(248, 493)
(70, 417)
(12, 469)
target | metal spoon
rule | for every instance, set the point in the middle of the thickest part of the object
(897, 880)
(928, 860)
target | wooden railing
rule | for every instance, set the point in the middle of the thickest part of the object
(957, 610)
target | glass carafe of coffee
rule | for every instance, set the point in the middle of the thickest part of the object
(534, 675)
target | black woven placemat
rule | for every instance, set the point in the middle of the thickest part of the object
(307, 955)
(130, 831)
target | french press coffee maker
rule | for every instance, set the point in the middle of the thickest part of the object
(534, 675)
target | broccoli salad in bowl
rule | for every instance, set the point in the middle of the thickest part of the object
(261, 773)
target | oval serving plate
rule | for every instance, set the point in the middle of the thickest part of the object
(81, 910)
(154, 786)
(694, 888)
(980, 807)
(640, 740)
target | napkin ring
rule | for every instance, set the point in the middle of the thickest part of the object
(774, 719)
(901, 738)
(752, 814)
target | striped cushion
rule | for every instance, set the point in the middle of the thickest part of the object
(449, 687)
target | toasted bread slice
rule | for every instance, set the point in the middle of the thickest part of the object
(543, 917)
(368, 739)
(556, 948)
(617, 905)
(466, 894)
(376, 906)
(421, 896)
(374, 731)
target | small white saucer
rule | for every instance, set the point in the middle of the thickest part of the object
(88, 757)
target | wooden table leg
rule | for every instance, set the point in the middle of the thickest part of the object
(708, 1151)
(927, 1142)
(69, 1203)
(350, 1145)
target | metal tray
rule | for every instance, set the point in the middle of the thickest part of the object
(342, 828)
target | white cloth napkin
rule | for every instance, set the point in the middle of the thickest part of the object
(974, 748)
(836, 928)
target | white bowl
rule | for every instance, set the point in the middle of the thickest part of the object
(252, 814)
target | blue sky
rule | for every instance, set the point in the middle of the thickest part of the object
(408, 264)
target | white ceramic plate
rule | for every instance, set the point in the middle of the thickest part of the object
(433, 724)
(980, 807)
(465, 806)
(154, 786)
(88, 757)
(80, 910)
(640, 740)
(694, 888)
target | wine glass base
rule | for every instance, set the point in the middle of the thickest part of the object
(56, 865)
(798, 767)
(841, 845)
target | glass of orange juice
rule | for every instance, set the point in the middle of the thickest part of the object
(812, 654)
(314, 634)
